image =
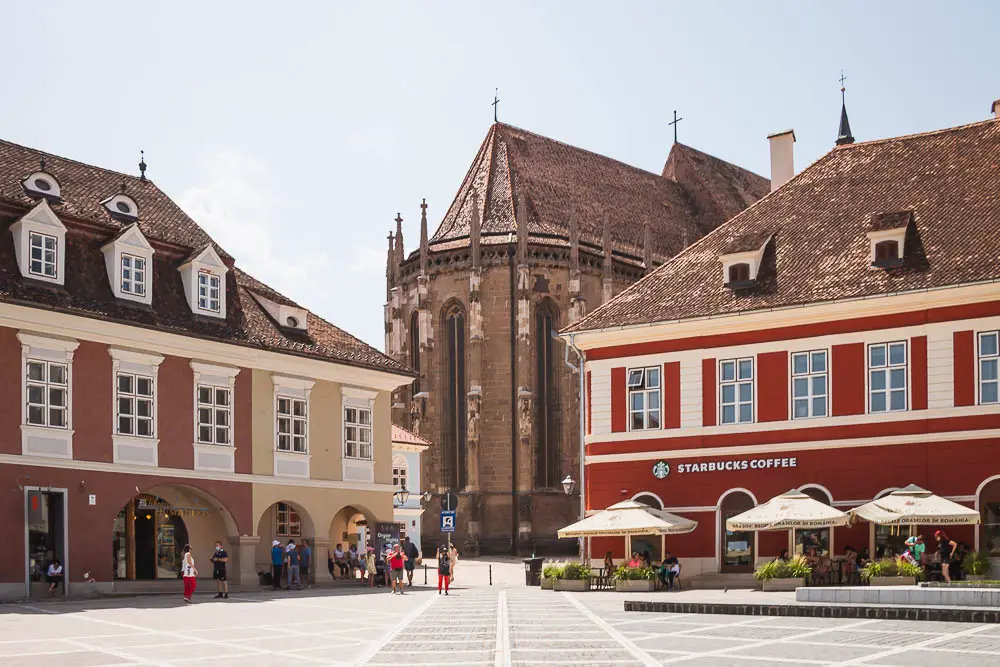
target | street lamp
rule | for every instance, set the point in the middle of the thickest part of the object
(401, 496)
(568, 485)
(426, 497)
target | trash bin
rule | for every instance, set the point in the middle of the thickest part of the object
(533, 571)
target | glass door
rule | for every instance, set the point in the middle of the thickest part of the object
(736, 545)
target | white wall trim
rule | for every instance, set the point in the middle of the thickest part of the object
(649, 493)
(736, 489)
(135, 357)
(982, 485)
(359, 393)
(804, 446)
(285, 382)
(820, 487)
(201, 368)
(43, 342)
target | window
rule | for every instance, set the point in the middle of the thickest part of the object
(358, 433)
(989, 360)
(133, 275)
(736, 390)
(548, 466)
(292, 421)
(887, 377)
(399, 471)
(644, 398)
(47, 393)
(214, 415)
(886, 252)
(135, 405)
(739, 273)
(209, 291)
(456, 399)
(809, 384)
(43, 258)
(402, 530)
(415, 350)
(288, 522)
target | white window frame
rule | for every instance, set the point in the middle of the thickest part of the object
(295, 416)
(212, 282)
(403, 525)
(132, 285)
(355, 468)
(289, 512)
(994, 360)
(47, 386)
(214, 456)
(736, 383)
(44, 262)
(132, 448)
(288, 462)
(134, 399)
(637, 385)
(887, 369)
(42, 222)
(400, 471)
(214, 410)
(809, 375)
(355, 448)
(46, 441)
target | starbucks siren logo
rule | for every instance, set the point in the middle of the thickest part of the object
(661, 469)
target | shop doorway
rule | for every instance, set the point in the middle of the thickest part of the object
(45, 526)
(648, 545)
(813, 541)
(989, 508)
(736, 546)
(149, 534)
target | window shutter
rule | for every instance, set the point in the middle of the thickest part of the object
(847, 378)
(964, 343)
(618, 398)
(918, 373)
(708, 389)
(772, 386)
(672, 394)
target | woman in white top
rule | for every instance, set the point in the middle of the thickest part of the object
(453, 560)
(54, 575)
(189, 572)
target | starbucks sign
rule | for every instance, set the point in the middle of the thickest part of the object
(661, 469)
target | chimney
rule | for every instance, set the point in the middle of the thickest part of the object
(782, 162)
(995, 109)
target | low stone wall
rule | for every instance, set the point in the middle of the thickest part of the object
(901, 595)
(954, 614)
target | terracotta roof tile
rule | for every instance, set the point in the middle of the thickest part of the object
(400, 434)
(949, 179)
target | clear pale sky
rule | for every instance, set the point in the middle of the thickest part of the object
(294, 132)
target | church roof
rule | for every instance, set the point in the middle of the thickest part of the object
(175, 236)
(556, 178)
(819, 221)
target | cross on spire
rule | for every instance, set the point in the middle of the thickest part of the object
(674, 123)
(496, 103)
(843, 78)
(399, 219)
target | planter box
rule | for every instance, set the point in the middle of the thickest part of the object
(575, 585)
(783, 584)
(547, 584)
(893, 581)
(975, 577)
(634, 585)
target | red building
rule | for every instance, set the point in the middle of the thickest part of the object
(840, 336)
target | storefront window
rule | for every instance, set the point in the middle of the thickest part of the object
(737, 545)
(814, 541)
(149, 534)
(45, 532)
(989, 502)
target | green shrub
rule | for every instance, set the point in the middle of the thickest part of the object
(796, 568)
(626, 573)
(576, 571)
(890, 567)
(553, 571)
(976, 563)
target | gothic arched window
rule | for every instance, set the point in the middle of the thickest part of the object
(455, 434)
(548, 468)
(415, 349)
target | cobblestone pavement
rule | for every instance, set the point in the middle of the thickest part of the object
(474, 626)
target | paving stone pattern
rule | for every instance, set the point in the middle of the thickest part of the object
(505, 626)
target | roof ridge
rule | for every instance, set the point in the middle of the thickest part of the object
(915, 135)
(714, 157)
(78, 162)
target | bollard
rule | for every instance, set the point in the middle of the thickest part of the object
(425, 574)
(491, 574)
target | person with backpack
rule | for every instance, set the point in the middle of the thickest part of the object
(444, 569)
(189, 573)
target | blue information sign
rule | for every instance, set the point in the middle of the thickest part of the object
(448, 522)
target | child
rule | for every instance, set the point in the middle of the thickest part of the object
(444, 569)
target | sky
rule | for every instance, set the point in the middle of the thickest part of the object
(294, 132)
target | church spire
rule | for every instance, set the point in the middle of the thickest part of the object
(844, 135)
(390, 266)
(423, 237)
(400, 255)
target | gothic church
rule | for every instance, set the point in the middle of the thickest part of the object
(539, 234)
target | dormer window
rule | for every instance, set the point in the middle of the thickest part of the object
(741, 263)
(129, 260)
(204, 278)
(209, 290)
(40, 244)
(286, 315)
(42, 184)
(887, 238)
(121, 207)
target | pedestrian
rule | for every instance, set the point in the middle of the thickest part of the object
(277, 562)
(452, 560)
(54, 575)
(219, 560)
(412, 554)
(292, 562)
(444, 569)
(356, 561)
(189, 572)
(305, 560)
(370, 568)
(397, 562)
(946, 547)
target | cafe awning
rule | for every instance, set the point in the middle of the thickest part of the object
(629, 518)
(792, 509)
(914, 505)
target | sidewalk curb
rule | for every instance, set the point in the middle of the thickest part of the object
(953, 614)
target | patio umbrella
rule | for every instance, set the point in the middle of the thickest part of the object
(913, 505)
(792, 509)
(629, 518)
